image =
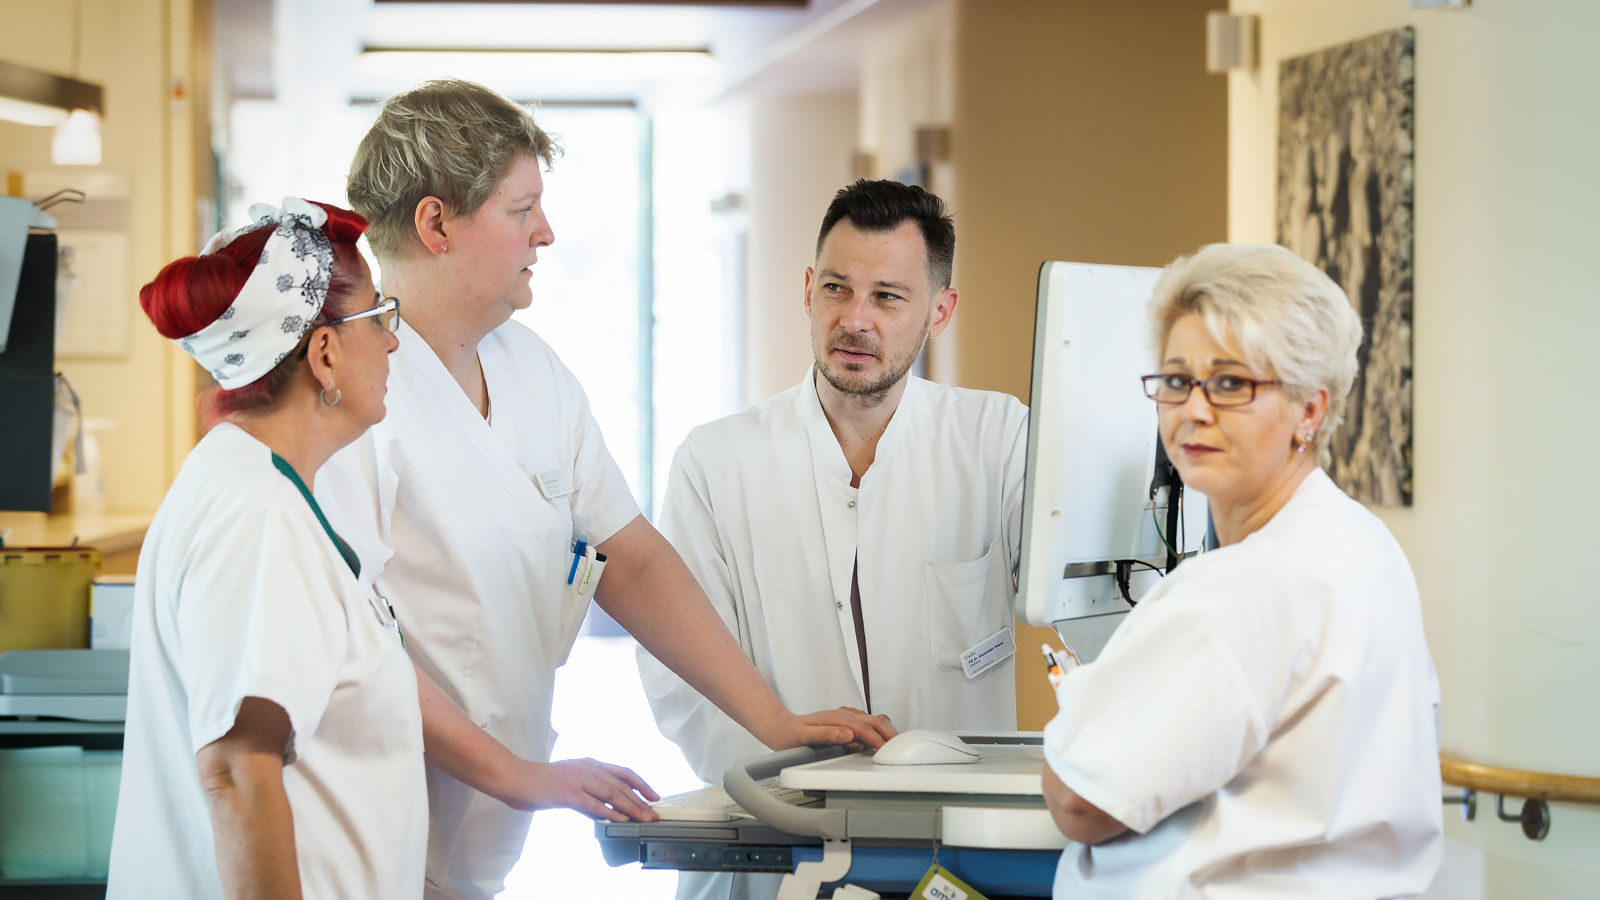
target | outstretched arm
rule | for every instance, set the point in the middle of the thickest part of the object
(651, 593)
(459, 748)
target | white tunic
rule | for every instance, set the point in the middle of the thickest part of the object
(241, 593)
(760, 506)
(1265, 721)
(447, 513)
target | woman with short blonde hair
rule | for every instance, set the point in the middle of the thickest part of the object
(487, 504)
(1287, 316)
(1264, 722)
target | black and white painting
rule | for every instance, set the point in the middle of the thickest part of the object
(1344, 202)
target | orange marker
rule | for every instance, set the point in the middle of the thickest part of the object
(1054, 671)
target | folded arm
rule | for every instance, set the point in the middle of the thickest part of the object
(1077, 818)
(251, 824)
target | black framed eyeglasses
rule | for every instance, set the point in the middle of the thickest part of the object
(1220, 390)
(388, 313)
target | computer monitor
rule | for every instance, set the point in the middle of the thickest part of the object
(1092, 457)
(14, 216)
(28, 382)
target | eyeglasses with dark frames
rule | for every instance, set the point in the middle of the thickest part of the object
(1219, 390)
(388, 305)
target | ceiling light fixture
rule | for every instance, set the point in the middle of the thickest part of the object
(31, 97)
(504, 68)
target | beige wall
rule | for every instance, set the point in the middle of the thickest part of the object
(907, 82)
(1505, 318)
(136, 49)
(908, 77)
(800, 152)
(1084, 131)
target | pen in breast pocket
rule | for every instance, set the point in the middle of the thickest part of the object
(578, 547)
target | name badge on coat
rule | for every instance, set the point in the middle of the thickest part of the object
(988, 653)
(553, 483)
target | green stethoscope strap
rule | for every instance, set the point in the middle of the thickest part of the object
(349, 555)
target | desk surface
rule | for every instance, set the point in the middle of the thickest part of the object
(1003, 769)
(108, 532)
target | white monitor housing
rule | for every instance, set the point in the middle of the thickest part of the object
(1091, 455)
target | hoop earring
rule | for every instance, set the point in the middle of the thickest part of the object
(337, 396)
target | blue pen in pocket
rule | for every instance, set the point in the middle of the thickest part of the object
(578, 548)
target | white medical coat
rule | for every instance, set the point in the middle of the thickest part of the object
(1265, 722)
(241, 593)
(760, 506)
(447, 513)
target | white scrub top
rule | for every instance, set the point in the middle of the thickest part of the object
(467, 526)
(760, 506)
(1265, 722)
(242, 593)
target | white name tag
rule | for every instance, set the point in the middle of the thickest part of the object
(553, 483)
(988, 653)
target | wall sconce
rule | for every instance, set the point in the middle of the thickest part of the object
(933, 144)
(72, 107)
(1230, 42)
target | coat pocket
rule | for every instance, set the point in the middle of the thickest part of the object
(954, 594)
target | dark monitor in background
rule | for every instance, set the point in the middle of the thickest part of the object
(28, 382)
(15, 213)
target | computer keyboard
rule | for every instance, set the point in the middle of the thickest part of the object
(712, 804)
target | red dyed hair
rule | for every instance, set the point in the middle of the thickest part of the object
(190, 293)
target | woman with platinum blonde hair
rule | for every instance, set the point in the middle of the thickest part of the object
(1264, 722)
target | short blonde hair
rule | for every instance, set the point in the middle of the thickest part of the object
(1284, 315)
(449, 139)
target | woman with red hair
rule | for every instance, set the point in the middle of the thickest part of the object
(274, 739)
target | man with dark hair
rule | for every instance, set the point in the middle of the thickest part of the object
(857, 532)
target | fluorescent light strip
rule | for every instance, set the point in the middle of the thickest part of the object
(24, 112)
(542, 52)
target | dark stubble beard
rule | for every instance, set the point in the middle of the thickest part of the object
(895, 369)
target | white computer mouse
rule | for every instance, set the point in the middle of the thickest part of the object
(924, 747)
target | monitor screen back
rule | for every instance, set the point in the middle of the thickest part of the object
(1091, 447)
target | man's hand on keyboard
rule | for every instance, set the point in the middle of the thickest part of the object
(596, 789)
(844, 725)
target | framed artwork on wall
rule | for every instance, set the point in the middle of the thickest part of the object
(1344, 202)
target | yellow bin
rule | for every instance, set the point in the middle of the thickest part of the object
(44, 596)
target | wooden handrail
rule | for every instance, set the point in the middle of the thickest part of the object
(1518, 782)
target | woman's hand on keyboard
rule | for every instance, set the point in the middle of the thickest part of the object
(596, 789)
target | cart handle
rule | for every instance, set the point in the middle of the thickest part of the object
(740, 783)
